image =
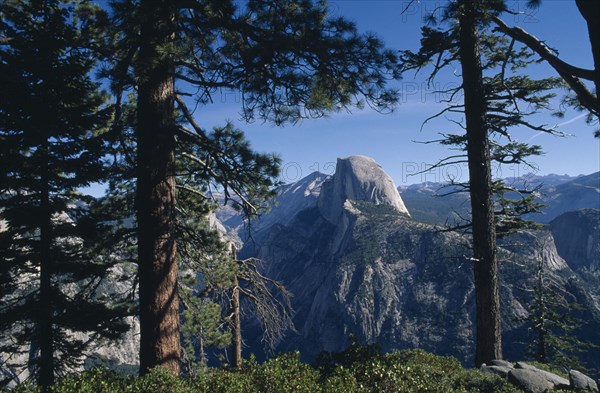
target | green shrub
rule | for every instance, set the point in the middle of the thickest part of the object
(359, 369)
(402, 371)
(285, 374)
(478, 381)
(159, 380)
(341, 379)
(226, 381)
(96, 380)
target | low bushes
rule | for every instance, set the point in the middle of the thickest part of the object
(359, 369)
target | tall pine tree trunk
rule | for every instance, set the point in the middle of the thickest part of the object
(236, 321)
(540, 323)
(488, 335)
(236, 331)
(155, 197)
(45, 326)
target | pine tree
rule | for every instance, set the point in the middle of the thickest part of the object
(287, 59)
(202, 327)
(206, 273)
(496, 98)
(52, 116)
(485, 266)
(551, 316)
(203, 255)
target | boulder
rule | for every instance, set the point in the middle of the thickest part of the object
(530, 381)
(581, 382)
(501, 363)
(556, 381)
(496, 370)
(525, 366)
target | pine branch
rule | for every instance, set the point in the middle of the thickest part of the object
(568, 72)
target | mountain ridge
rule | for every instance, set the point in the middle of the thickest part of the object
(439, 203)
(381, 276)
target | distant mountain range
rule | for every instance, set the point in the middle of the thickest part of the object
(437, 203)
(365, 261)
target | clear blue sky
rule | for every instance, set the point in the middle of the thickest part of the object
(315, 144)
(389, 139)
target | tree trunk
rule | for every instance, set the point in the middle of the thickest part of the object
(45, 325)
(155, 196)
(540, 325)
(236, 323)
(485, 266)
(590, 10)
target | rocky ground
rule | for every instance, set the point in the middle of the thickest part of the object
(534, 380)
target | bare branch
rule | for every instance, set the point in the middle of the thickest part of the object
(407, 7)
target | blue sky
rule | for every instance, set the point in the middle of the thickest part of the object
(389, 139)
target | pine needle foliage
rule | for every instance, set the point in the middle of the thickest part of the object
(52, 118)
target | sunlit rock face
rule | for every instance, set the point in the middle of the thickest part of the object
(358, 178)
(577, 236)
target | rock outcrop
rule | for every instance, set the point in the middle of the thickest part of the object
(534, 380)
(581, 382)
(529, 380)
(577, 237)
(358, 178)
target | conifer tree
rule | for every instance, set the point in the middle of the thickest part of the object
(495, 98)
(287, 59)
(52, 115)
(551, 318)
(203, 256)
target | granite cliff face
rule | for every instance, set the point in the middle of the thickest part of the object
(577, 235)
(377, 276)
(358, 178)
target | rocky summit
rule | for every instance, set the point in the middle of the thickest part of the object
(358, 178)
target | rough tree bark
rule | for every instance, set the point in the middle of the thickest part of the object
(236, 334)
(236, 322)
(488, 334)
(155, 194)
